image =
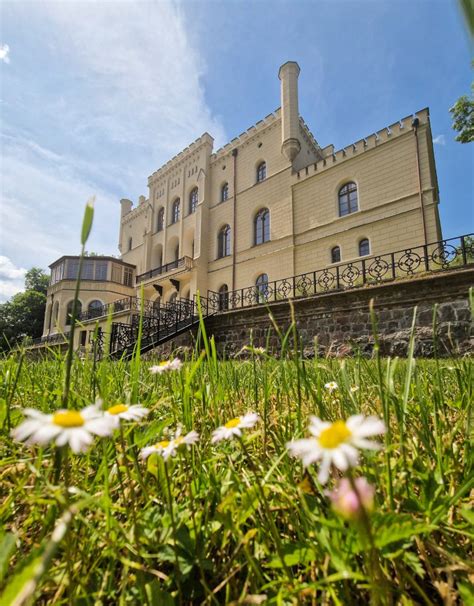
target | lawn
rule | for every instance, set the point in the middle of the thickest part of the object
(240, 519)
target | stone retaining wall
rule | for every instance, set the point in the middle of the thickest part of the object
(335, 323)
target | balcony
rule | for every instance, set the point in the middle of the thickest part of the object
(174, 267)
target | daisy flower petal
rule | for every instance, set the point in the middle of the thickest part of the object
(73, 427)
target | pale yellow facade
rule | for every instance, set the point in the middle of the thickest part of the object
(396, 205)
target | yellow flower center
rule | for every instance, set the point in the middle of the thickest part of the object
(232, 423)
(117, 409)
(68, 418)
(162, 444)
(333, 436)
(165, 363)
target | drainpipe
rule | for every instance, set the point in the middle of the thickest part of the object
(415, 125)
(234, 238)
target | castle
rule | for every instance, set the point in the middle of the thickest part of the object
(269, 204)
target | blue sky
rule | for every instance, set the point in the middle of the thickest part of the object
(95, 96)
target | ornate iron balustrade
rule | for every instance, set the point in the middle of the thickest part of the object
(126, 304)
(183, 263)
(444, 255)
(165, 322)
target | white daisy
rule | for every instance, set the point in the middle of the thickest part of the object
(354, 388)
(135, 412)
(336, 443)
(166, 366)
(73, 427)
(331, 386)
(168, 448)
(234, 427)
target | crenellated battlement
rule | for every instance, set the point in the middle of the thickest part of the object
(176, 161)
(247, 135)
(376, 139)
(141, 209)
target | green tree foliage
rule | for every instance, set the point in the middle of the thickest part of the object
(22, 316)
(463, 117)
(36, 279)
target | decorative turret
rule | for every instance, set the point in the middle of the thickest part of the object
(290, 117)
(126, 207)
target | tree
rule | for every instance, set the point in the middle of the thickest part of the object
(23, 315)
(36, 279)
(463, 117)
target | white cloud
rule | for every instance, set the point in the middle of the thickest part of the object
(4, 51)
(439, 140)
(121, 94)
(11, 278)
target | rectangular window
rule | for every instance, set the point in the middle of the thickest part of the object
(116, 273)
(87, 271)
(128, 276)
(72, 269)
(101, 270)
(57, 273)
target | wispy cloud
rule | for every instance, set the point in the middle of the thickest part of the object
(439, 140)
(120, 92)
(4, 53)
(11, 278)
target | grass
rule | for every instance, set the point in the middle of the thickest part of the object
(239, 521)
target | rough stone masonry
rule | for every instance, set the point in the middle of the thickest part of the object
(340, 323)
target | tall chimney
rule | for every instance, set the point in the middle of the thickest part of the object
(290, 117)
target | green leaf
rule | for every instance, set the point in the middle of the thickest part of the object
(391, 528)
(156, 595)
(468, 515)
(87, 221)
(466, 591)
(293, 554)
(7, 545)
(16, 586)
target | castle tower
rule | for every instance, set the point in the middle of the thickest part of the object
(290, 125)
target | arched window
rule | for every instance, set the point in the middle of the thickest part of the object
(223, 242)
(348, 199)
(175, 212)
(69, 311)
(261, 172)
(172, 299)
(224, 192)
(364, 247)
(223, 297)
(262, 226)
(130, 242)
(94, 308)
(176, 252)
(262, 287)
(161, 219)
(335, 254)
(193, 200)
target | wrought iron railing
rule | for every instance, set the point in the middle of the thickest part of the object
(126, 304)
(183, 263)
(438, 256)
(165, 322)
